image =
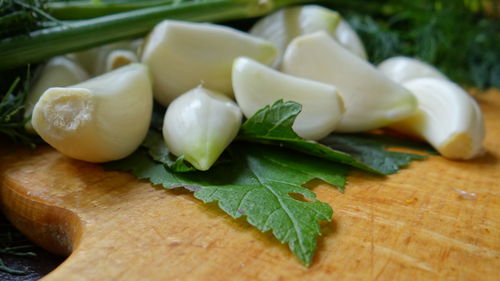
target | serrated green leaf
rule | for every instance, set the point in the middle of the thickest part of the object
(261, 184)
(273, 125)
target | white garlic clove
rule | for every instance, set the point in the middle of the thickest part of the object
(119, 58)
(349, 39)
(401, 69)
(58, 72)
(284, 25)
(256, 85)
(95, 60)
(89, 59)
(102, 119)
(447, 117)
(182, 55)
(371, 99)
(199, 125)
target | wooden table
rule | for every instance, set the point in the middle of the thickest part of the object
(414, 225)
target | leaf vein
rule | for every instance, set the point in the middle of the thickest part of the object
(287, 211)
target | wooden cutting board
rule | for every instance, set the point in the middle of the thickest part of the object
(414, 225)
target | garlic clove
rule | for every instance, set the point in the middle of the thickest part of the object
(89, 59)
(58, 72)
(371, 99)
(349, 39)
(95, 60)
(284, 25)
(119, 58)
(182, 55)
(447, 117)
(256, 85)
(102, 119)
(199, 125)
(401, 69)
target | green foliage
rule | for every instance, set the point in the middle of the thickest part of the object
(371, 149)
(456, 36)
(258, 184)
(11, 112)
(273, 125)
(157, 149)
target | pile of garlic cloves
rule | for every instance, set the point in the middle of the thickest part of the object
(96, 105)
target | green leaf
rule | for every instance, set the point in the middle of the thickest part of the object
(371, 149)
(273, 125)
(262, 183)
(159, 152)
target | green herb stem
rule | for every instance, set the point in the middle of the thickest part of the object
(73, 36)
(78, 10)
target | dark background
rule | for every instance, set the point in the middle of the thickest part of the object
(18, 253)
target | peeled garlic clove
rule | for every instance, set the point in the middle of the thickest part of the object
(256, 85)
(119, 58)
(102, 119)
(371, 99)
(402, 69)
(199, 125)
(349, 39)
(95, 60)
(447, 117)
(89, 59)
(182, 55)
(284, 25)
(58, 72)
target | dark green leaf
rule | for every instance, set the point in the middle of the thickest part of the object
(273, 125)
(261, 183)
(371, 149)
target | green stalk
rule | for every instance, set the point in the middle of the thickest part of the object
(74, 36)
(78, 10)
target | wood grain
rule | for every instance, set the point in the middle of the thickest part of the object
(410, 226)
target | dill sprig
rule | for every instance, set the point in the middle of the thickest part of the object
(460, 37)
(22, 16)
(12, 121)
